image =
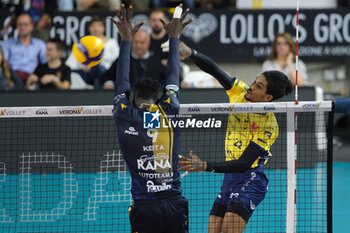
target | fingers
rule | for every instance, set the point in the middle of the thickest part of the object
(185, 174)
(193, 156)
(187, 22)
(123, 11)
(115, 22)
(185, 14)
(130, 13)
(184, 159)
(137, 26)
(117, 14)
(163, 22)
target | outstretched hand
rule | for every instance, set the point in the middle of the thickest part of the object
(175, 27)
(192, 164)
(124, 23)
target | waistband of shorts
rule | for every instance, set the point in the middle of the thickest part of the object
(142, 201)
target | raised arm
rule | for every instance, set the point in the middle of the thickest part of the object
(126, 31)
(207, 65)
(244, 163)
(122, 84)
(174, 30)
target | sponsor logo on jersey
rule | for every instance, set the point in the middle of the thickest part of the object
(131, 131)
(234, 195)
(254, 126)
(165, 175)
(160, 160)
(152, 188)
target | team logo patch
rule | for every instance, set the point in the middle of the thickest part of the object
(171, 92)
(167, 100)
(254, 126)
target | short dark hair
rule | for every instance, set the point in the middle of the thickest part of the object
(278, 84)
(59, 44)
(146, 88)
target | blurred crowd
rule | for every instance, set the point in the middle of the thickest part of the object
(32, 60)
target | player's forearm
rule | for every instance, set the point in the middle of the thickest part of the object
(244, 163)
(122, 84)
(209, 66)
(173, 67)
(62, 85)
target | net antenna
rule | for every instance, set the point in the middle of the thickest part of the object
(291, 215)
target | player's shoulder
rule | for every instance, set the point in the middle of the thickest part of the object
(121, 104)
(169, 102)
(237, 87)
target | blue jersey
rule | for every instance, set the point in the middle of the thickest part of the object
(151, 153)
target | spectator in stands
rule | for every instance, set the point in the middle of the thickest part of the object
(143, 64)
(55, 74)
(8, 78)
(282, 58)
(25, 52)
(41, 12)
(158, 35)
(111, 46)
(83, 5)
(92, 75)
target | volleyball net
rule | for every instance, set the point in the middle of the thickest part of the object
(61, 168)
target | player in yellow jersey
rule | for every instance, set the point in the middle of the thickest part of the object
(249, 137)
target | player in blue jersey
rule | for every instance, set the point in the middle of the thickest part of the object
(249, 137)
(150, 150)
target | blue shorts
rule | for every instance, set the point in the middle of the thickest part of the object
(159, 216)
(241, 193)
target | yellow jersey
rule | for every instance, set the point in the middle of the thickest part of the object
(242, 128)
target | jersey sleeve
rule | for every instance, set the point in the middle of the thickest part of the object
(122, 84)
(237, 87)
(122, 105)
(172, 80)
(170, 103)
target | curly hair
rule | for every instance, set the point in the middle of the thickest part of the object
(146, 88)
